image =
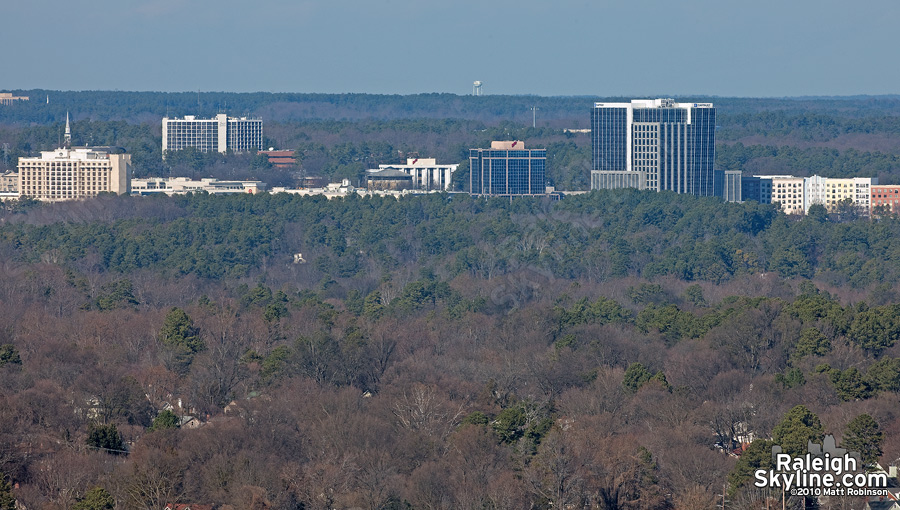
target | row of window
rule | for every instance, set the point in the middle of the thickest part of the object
(58, 188)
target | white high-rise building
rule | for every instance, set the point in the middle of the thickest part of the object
(220, 134)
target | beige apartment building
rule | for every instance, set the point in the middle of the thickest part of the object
(788, 191)
(69, 174)
(839, 190)
(831, 192)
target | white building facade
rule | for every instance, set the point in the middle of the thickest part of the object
(797, 194)
(183, 185)
(219, 134)
(831, 192)
(426, 173)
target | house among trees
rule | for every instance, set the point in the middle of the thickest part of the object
(189, 422)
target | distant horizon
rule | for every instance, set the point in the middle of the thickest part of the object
(633, 96)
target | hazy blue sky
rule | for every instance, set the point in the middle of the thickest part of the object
(562, 47)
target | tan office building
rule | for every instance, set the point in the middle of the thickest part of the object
(6, 98)
(69, 174)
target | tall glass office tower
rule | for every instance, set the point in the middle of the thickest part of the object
(654, 144)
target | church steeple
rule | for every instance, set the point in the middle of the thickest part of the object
(68, 136)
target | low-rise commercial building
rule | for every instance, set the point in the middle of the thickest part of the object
(425, 173)
(280, 159)
(388, 179)
(183, 185)
(6, 98)
(329, 191)
(344, 188)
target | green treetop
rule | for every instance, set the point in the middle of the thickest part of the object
(95, 499)
(798, 427)
(864, 436)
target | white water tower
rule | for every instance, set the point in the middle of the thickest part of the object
(476, 88)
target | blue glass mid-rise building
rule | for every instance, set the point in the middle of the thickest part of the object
(507, 169)
(654, 144)
(753, 187)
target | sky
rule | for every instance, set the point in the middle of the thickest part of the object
(730, 48)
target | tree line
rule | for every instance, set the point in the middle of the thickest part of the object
(594, 237)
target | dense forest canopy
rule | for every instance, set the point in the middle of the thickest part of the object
(613, 350)
(425, 334)
(591, 237)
